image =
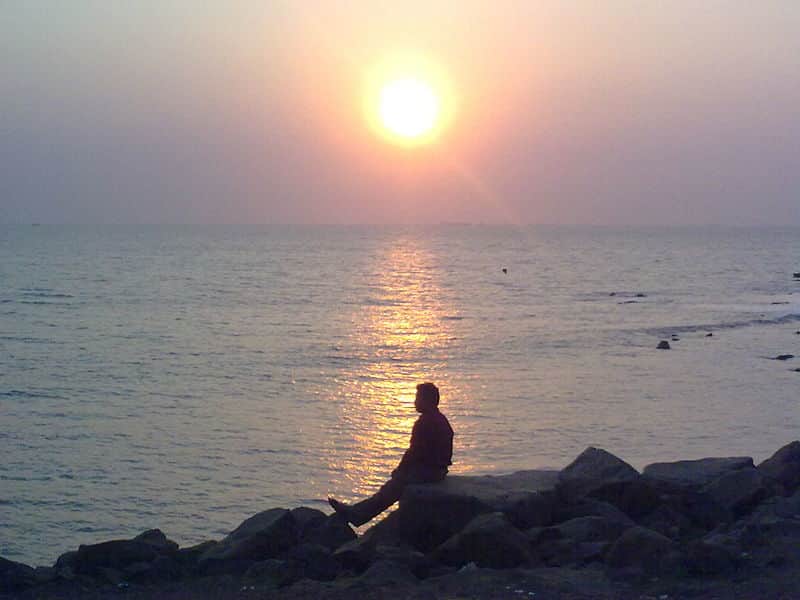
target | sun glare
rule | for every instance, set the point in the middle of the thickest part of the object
(409, 100)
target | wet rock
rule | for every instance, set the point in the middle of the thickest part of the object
(784, 466)
(784, 357)
(266, 535)
(694, 473)
(15, 576)
(740, 491)
(709, 334)
(663, 345)
(644, 549)
(592, 470)
(489, 540)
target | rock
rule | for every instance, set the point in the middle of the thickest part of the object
(796, 275)
(740, 491)
(314, 561)
(266, 535)
(188, 557)
(386, 573)
(431, 513)
(529, 509)
(779, 507)
(642, 548)
(45, 574)
(115, 554)
(356, 555)
(66, 561)
(784, 357)
(670, 522)
(705, 558)
(784, 466)
(694, 473)
(273, 572)
(332, 531)
(709, 334)
(593, 469)
(663, 345)
(635, 497)
(157, 539)
(414, 560)
(489, 540)
(591, 529)
(588, 507)
(15, 576)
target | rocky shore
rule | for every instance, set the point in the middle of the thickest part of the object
(707, 528)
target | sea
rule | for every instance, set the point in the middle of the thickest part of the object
(188, 377)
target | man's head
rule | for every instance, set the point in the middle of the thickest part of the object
(427, 397)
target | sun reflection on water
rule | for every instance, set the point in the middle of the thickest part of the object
(401, 338)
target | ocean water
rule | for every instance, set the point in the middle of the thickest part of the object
(188, 377)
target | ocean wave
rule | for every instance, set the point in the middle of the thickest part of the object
(29, 394)
(725, 325)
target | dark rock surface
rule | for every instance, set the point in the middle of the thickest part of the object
(596, 529)
(784, 466)
(697, 473)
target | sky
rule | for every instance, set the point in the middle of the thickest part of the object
(564, 112)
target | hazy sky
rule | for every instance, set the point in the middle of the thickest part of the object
(615, 112)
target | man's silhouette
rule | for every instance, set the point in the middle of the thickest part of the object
(426, 460)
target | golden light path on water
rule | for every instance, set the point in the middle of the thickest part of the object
(403, 338)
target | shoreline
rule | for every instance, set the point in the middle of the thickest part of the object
(597, 528)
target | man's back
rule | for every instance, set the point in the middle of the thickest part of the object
(431, 442)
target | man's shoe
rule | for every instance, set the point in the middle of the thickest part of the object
(341, 509)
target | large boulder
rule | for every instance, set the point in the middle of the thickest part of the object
(591, 471)
(694, 473)
(15, 576)
(268, 534)
(784, 466)
(116, 555)
(431, 513)
(644, 549)
(741, 490)
(489, 540)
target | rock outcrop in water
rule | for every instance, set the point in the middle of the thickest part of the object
(687, 522)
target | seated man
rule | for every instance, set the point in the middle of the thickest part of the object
(425, 461)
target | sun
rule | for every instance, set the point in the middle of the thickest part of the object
(409, 99)
(408, 108)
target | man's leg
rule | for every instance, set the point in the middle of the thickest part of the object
(368, 509)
